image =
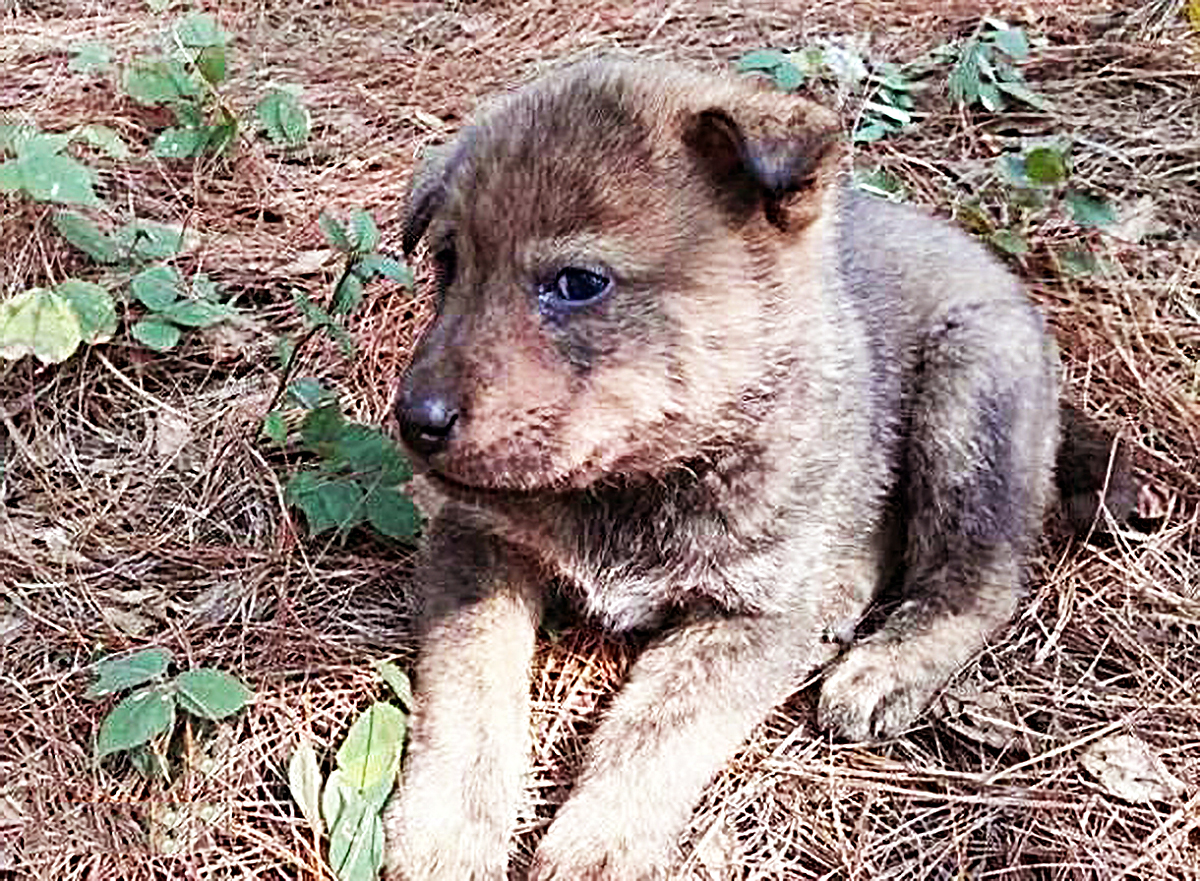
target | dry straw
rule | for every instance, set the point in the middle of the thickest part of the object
(137, 507)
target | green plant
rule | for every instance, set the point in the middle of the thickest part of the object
(983, 70)
(138, 720)
(350, 801)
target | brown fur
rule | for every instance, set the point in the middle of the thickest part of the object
(789, 397)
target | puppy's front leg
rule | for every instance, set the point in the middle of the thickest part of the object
(690, 702)
(453, 816)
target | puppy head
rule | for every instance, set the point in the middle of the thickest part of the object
(609, 247)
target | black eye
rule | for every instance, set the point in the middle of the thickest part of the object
(576, 286)
(445, 264)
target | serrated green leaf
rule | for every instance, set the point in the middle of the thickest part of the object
(104, 139)
(138, 668)
(309, 393)
(870, 132)
(1046, 166)
(304, 781)
(761, 59)
(37, 143)
(1078, 262)
(392, 513)
(1009, 242)
(356, 842)
(335, 232)
(398, 682)
(1022, 93)
(196, 313)
(366, 450)
(157, 81)
(1089, 211)
(147, 240)
(327, 503)
(275, 427)
(1012, 42)
(990, 97)
(156, 334)
(51, 177)
(348, 294)
(322, 428)
(364, 235)
(94, 307)
(370, 265)
(13, 133)
(86, 236)
(372, 748)
(91, 58)
(788, 77)
(284, 117)
(39, 323)
(200, 30)
(181, 143)
(210, 694)
(965, 76)
(158, 287)
(211, 63)
(136, 720)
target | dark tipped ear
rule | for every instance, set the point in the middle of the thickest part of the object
(426, 193)
(766, 169)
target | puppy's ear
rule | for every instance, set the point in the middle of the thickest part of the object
(773, 163)
(427, 192)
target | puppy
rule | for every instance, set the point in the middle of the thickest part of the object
(684, 375)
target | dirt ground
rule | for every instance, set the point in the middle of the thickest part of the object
(138, 508)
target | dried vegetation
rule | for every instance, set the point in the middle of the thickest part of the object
(137, 507)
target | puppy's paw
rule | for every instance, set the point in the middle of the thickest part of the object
(440, 846)
(568, 853)
(875, 691)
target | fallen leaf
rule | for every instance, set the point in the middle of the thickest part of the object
(1126, 767)
(171, 434)
(307, 262)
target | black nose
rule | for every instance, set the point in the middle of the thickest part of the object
(426, 422)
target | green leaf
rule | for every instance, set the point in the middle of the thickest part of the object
(222, 136)
(181, 143)
(348, 294)
(332, 798)
(200, 30)
(990, 97)
(210, 694)
(965, 76)
(1012, 42)
(398, 682)
(392, 513)
(147, 240)
(156, 334)
(196, 313)
(356, 842)
(309, 393)
(210, 61)
(86, 236)
(1009, 242)
(372, 748)
(1089, 211)
(275, 427)
(788, 77)
(158, 287)
(364, 235)
(761, 59)
(157, 81)
(118, 674)
(366, 450)
(370, 265)
(284, 117)
(91, 58)
(136, 720)
(94, 307)
(322, 429)
(32, 142)
(327, 503)
(1078, 262)
(1022, 93)
(39, 323)
(880, 182)
(870, 132)
(50, 177)
(104, 139)
(304, 781)
(1046, 166)
(335, 232)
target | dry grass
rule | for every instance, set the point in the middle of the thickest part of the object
(137, 509)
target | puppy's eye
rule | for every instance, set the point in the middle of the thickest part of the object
(445, 264)
(576, 286)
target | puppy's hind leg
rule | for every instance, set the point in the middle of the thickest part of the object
(979, 455)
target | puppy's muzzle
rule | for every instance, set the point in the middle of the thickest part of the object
(427, 420)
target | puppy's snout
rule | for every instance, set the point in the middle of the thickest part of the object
(426, 420)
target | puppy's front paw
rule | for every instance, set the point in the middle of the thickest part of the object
(597, 852)
(875, 691)
(440, 845)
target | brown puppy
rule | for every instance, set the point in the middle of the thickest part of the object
(682, 372)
